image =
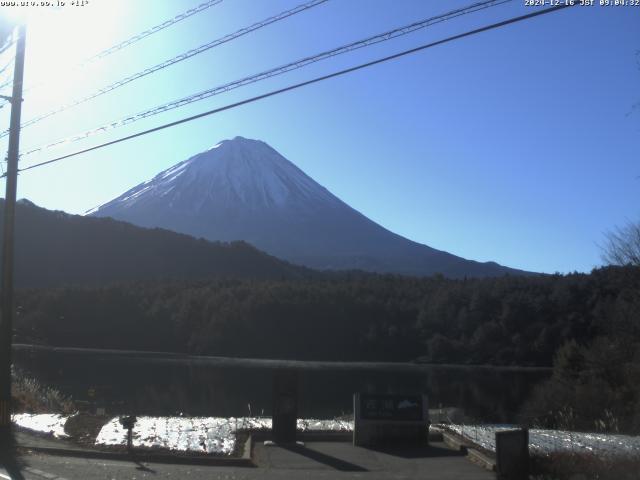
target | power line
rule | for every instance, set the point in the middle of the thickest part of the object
(7, 46)
(136, 38)
(8, 83)
(303, 84)
(4, 48)
(7, 66)
(174, 60)
(382, 37)
(3, 70)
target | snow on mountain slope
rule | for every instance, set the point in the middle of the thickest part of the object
(243, 189)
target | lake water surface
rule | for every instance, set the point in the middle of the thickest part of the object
(209, 386)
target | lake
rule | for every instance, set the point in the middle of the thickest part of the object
(144, 384)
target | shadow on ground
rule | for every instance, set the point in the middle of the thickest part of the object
(141, 466)
(325, 459)
(10, 459)
(417, 451)
(345, 457)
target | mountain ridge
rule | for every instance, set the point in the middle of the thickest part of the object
(54, 248)
(242, 189)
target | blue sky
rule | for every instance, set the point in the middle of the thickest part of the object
(518, 145)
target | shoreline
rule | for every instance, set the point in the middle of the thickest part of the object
(239, 362)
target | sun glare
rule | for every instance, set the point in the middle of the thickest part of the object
(58, 38)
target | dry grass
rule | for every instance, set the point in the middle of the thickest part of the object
(31, 396)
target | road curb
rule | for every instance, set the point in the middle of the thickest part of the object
(474, 455)
(481, 459)
(454, 442)
(145, 456)
(308, 436)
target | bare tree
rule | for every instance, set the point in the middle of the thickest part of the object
(623, 245)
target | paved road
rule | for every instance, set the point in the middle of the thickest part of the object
(45, 467)
(316, 460)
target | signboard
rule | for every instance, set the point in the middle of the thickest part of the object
(391, 407)
(390, 419)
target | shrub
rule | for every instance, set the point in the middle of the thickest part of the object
(31, 396)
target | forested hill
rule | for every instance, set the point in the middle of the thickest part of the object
(54, 248)
(506, 320)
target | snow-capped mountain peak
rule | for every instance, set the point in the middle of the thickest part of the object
(240, 170)
(242, 189)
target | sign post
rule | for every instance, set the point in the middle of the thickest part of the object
(386, 419)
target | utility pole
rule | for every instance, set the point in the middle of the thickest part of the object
(6, 298)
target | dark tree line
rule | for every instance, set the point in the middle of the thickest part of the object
(54, 248)
(596, 383)
(506, 321)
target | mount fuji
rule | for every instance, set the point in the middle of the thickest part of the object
(243, 189)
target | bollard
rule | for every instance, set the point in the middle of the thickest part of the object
(128, 423)
(285, 406)
(512, 454)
